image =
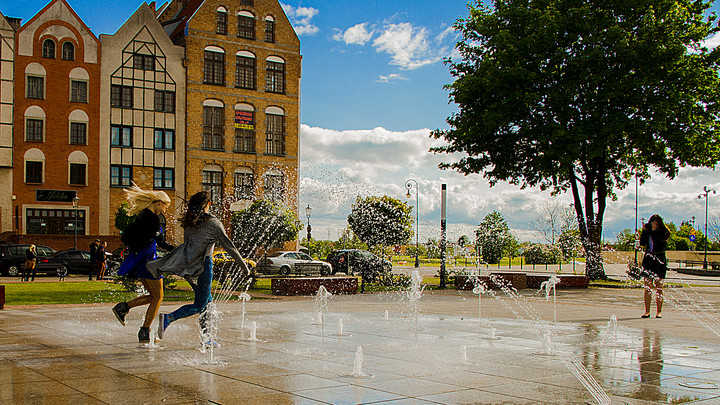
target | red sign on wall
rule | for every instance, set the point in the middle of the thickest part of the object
(244, 119)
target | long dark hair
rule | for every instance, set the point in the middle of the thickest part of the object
(662, 229)
(195, 206)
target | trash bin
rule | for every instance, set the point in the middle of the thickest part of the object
(2, 297)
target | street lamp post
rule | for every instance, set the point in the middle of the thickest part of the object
(706, 191)
(75, 202)
(408, 186)
(308, 211)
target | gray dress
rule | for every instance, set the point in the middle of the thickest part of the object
(187, 260)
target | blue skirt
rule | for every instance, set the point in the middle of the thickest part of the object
(134, 264)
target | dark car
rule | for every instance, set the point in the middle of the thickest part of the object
(72, 261)
(12, 257)
(356, 261)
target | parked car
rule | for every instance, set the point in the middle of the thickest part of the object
(72, 261)
(223, 256)
(358, 262)
(286, 262)
(12, 257)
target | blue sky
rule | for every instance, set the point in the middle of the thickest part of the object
(372, 89)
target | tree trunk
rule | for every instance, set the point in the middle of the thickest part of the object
(590, 223)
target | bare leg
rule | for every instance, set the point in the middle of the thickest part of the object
(659, 296)
(155, 287)
(648, 296)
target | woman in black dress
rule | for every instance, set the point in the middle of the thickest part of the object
(654, 237)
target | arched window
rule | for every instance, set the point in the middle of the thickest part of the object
(34, 124)
(213, 125)
(275, 131)
(212, 183)
(221, 21)
(275, 75)
(68, 51)
(34, 166)
(79, 79)
(269, 29)
(244, 128)
(35, 80)
(214, 65)
(78, 127)
(244, 183)
(48, 49)
(77, 169)
(274, 185)
(246, 25)
(245, 76)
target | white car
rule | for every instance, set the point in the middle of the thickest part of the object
(287, 262)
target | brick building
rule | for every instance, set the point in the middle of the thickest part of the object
(142, 114)
(7, 97)
(56, 124)
(243, 99)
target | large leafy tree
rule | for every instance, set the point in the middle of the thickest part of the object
(381, 221)
(582, 95)
(494, 238)
(264, 224)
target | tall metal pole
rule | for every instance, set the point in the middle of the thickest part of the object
(76, 202)
(636, 218)
(706, 192)
(408, 186)
(443, 230)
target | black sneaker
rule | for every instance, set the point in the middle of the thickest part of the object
(120, 310)
(144, 335)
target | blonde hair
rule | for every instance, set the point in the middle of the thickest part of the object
(140, 199)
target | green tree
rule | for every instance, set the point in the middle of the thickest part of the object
(381, 221)
(463, 241)
(582, 96)
(264, 224)
(494, 237)
(122, 219)
(625, 240)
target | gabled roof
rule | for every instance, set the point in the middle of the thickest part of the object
(176, 26)
(72, 11)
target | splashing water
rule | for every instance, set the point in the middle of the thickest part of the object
(357, 365)
(611, 331)
(253, 331)
(463, 354)
(547, 286)
(245, 297)
(479, 289)
(321, 305)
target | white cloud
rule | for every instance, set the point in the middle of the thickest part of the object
(300, 18)
(358, 34)
(711, 42)
(391, 77)
(407, 46)
(338, 166)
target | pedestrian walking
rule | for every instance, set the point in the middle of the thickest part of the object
(142, 237)
(30, 262)
(193, 260)
(101, 260)
(654, 236)
(93, 264)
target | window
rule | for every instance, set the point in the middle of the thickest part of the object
(214, 68)
(164, 139)
(244, 131)
(165, 101)
(275, 136)
(33, 172)
(246, 26)
(143, 62)
(274, 187)
(78, 91)
(55, 222)
(121, 96)
(221, 22)
(48, 49)
(78, 174)
(163, 178)
(246, 2)
(68, 51)
(212, 184)
(78, 133)
(275, 77)
(213, 127)
(245, 72)
(34, 130)
(269, 30)
(121, 136)
(244, 184)
(35, 87)
(120, 176)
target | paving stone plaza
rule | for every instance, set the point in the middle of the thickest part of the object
(449, 348)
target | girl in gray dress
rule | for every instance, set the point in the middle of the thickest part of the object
(193, 259)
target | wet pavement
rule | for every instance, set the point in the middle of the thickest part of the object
(449, 349)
